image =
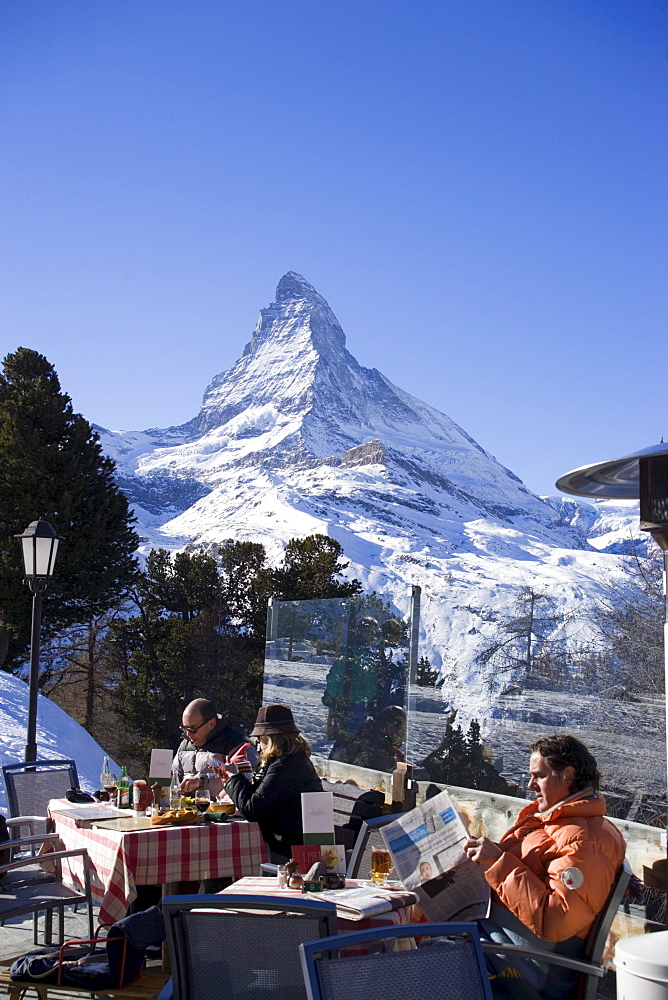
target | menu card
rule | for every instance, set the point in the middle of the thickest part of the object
(318, 817)
(161, 764)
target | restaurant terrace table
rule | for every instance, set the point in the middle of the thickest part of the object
(267, 886)
(121, 860)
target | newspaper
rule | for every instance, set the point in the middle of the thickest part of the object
(427, 848)
(358, 903)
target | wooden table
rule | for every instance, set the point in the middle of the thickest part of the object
(121, 860)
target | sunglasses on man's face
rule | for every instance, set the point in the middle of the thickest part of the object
(193, 729)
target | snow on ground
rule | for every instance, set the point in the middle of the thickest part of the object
(59, 737)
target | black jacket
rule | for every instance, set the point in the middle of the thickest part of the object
(273, 799)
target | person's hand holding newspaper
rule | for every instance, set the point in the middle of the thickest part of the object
(482, 851)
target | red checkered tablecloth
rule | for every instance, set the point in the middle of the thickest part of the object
(121, 860)
(267, 886)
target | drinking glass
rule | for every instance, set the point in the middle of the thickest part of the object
(111, 785)
(381, 865)
(202, 799)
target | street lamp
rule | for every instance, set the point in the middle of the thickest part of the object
(39, 544)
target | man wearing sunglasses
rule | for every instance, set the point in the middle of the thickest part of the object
(206, 733)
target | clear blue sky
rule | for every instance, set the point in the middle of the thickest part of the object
(478, 187)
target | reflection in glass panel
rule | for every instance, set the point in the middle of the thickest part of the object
(342, 666)
(472, 720)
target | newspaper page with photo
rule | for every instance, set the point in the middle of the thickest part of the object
(427, 848)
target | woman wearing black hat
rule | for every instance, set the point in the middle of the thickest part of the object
(273, 797)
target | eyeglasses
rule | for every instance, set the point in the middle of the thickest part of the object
(193, 729)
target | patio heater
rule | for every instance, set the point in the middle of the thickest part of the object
(644, 476)
(39, 544)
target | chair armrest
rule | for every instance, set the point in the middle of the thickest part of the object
(268, 868)
(549, 957)
(167, 991)
(40, 838)
(21, 821)
(46, 858)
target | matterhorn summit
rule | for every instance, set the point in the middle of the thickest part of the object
(298, 438)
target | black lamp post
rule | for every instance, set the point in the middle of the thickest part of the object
(643, 476)
(39, 544)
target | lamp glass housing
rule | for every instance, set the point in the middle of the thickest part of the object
(39, 545)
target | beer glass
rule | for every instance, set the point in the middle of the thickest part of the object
(381, 865)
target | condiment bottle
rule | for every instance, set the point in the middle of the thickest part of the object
(296, 881)
(141, 796)
(157, 797)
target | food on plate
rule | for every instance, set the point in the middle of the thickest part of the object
(175, 817)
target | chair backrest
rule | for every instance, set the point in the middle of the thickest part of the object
(600, 929)
(448, 964)
(352, 805)
(241, 947)
(29, 786)
(368, 837)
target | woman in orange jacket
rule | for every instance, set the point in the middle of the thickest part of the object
(553, 870)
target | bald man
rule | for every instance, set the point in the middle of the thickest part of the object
(204, 733)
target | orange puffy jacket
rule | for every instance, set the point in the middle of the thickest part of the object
(558, 867)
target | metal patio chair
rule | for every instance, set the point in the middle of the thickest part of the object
(34, 884)
(240, 947)
(30, 785)
(589, 966)
(448, 963)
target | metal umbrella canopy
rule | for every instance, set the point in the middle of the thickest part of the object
(617, 479)
(641, 476)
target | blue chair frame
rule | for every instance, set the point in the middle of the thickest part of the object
(310, 951)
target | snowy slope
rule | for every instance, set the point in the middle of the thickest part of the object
(297, 437)
(58, 735)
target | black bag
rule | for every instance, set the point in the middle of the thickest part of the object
(41, 964)
(76, 795)
(103, 968)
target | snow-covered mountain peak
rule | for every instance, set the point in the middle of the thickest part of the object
(294, 287)
(298, 317)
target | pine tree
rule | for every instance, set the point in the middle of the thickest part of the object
(309, 571)
(181, 644)
(246, 582)
(52, 466)
(528, 641)
(462, 760)
(425, 676)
